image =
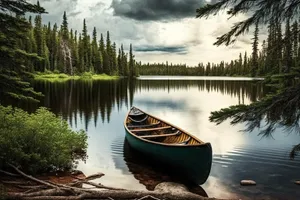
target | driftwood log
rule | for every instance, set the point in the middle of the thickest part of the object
(47, 190)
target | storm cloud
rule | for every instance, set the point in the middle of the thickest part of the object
(166, 49)
(155, 10)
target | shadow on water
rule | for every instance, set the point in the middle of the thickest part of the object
(150, 173)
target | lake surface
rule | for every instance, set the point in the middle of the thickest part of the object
(100, 107)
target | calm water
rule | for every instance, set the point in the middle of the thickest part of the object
(100, 107)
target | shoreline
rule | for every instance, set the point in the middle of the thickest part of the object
(56, 185)
(62, 77)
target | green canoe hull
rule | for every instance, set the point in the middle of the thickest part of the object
(192, 162)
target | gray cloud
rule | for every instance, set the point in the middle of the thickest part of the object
(166, 49)
(74, 14)
(154, 10)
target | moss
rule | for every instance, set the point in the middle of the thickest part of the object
(61, 77)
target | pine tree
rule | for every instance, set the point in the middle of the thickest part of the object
(240, 65)
(13, 59)
(114, 59)
(107, 69)
(288, 48)
(131, 62)
(38, 35)
(102, 50)
(86, 48)
(120, 66)
(96, 58)
(254, 62)
(295, 39)
(245, 65)
(64, 27)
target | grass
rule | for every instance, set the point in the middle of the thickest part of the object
(61, 77)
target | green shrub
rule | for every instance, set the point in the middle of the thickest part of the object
(87, 75)
(63, 76)
(39, 142)
(56, 71)
(47, 71)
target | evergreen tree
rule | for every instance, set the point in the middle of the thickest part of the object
(38, 35)
(119, 60)
(254, 62)
(107, 68)
(131, 62)
(114, 59)
(64, 27)
(288, 48)
(295, 41)
(86, 48)
(102, 51)
(245, 65)
(12, 57)
(96, 58)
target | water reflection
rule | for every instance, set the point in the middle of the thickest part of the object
(100, 108)
(150, 173)
(89, 101)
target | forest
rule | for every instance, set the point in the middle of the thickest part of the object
(67, 51)
(279, 53)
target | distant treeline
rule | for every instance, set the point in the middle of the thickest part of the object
(63, 50)
(278, 54)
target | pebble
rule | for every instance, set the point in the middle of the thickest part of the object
(248, 182)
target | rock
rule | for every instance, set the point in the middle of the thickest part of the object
(173, 188)
(297, 182)
(248, 182)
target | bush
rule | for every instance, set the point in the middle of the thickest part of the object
(39, 142)
(56, 71)
(63, 76)
(86, 75)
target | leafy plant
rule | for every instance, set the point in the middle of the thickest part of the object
(39, 142)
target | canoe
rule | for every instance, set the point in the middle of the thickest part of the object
(166, 143)
(150, 173)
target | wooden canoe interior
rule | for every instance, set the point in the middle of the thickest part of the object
(150, 128)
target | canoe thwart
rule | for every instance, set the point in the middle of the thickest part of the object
(144, 126)
(162, 135)
(151, 129)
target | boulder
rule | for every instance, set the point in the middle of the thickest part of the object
(248, 182)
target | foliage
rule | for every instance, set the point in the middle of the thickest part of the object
(262, 11)
(65, 51)
(13, 57)
(279, 59)
(61, 77)
(39, 141)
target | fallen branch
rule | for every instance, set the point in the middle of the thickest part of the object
(100, 186)
(124, 194)
(32, 178)
(14, 182)
(55, 191)
(91, 177)
(8, 173)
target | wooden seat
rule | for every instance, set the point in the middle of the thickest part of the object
(162, 135)
(144, 126)
(151, 129)
(185, 142)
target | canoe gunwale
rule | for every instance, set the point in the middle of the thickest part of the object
(165, 144)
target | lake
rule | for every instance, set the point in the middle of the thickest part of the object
(99, 107)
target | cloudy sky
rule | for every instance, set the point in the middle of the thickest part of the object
(160, 30)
